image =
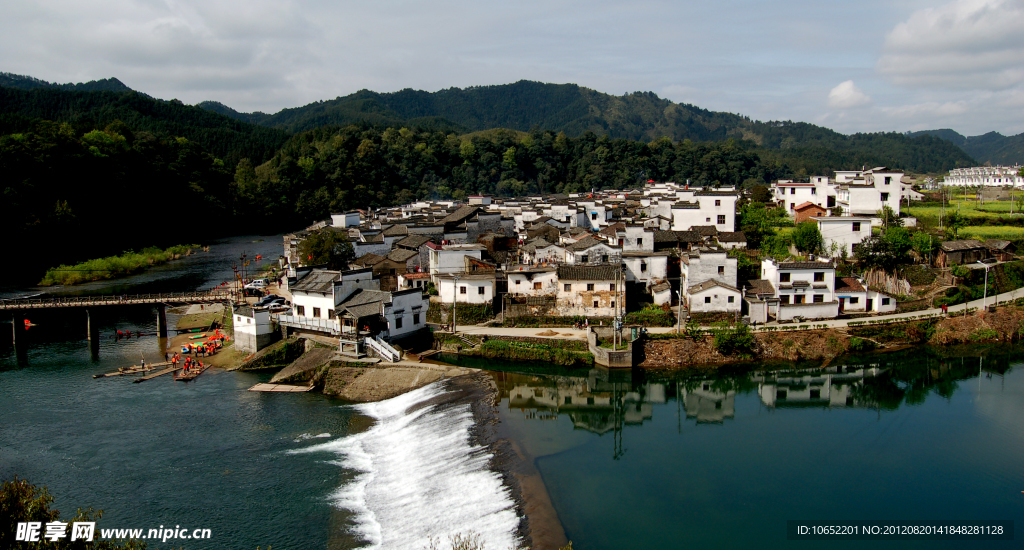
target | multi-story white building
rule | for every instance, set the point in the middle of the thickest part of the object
(841, 233)
(997, 176)
(863, 193)
(470, 288)
(804, 290)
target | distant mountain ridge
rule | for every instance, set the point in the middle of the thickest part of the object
(21, 82)
(993, 147)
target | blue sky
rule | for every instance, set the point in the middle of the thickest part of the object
(850, 65)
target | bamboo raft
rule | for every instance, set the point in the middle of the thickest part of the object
(134, 369)
(191, 374)
(168, 370)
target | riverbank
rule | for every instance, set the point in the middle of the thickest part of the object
(114, 267)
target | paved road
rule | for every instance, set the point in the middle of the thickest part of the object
(569, 332)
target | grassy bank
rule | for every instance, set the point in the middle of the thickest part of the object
(113, 267)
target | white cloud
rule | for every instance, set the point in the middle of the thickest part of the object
(966, 44)
(847, 96)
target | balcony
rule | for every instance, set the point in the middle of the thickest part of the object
(316, 324)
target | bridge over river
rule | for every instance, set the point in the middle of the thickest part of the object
(20, 307)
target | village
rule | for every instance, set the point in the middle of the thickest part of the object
(611, 259)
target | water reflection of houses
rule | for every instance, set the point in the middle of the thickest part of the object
(708, 404)
(600, 403)
(838, 388)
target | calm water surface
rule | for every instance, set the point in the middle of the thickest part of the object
(655, 460)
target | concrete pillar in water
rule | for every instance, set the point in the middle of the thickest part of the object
(161, 320)
(19, 337)
(92, 331)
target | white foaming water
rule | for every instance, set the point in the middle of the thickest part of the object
(306, 436)
(419, 477)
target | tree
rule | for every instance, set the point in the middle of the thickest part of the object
(807, 238)
(326, 246)
(889, 218)
(887, 252)
(760, 193)
(954, 222)
(20, 501)
(923, 244)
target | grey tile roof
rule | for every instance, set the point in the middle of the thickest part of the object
(711, 283)
(966, 244)
(586, 242)
(413, 241)
(807, 265)
(760, 287)
(587, 272)
(705, 230)
(320, 281)
(732, 237)
(401, 254)
(676, 236)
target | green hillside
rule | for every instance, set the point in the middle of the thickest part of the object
(993, 147)
(222, 136)
(640, 116)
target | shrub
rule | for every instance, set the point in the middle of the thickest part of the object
(735, 340)
(860, 344)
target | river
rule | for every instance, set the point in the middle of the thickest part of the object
(630, 459)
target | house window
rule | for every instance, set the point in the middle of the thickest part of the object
(613, 303)
(732, 299)
(611, 287)
(316, 312)
(462, 290)
(593, 215)
(792, 190)
(517, 281)
(885, 301)
(590, 287)
(480, 289)
(814, 191)
(707, 220)
(815, 394)
(300, 310)
(584, 258)
(780, 394)
(398, 322)
(721, 219)
(595, 303)
(783, 277)
(567, 287)
(819, 276)
(784, 299)
(721, 270)
(856, 227)
(620, 242)
(888, 180)
(604, 259)
(415, 318)
(854, 300)
(330, 314)
(798, 299)
(248, 320)
(707, 299)
(639, 242)
(792, 206)
(718, 202)
(819, 298)
(568, 400)
(643, 267)
(885, 197)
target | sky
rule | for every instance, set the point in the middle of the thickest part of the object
(850, 65)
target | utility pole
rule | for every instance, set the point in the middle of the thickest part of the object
(455, 301)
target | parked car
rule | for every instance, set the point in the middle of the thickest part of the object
(269, 299)
(278, 307)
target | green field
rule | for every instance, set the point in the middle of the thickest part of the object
(982, 232)
(973, 209)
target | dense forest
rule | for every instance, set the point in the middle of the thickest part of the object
(94, 173)
(993, 147)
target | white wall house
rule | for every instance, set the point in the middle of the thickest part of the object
(589, 290)
(591, 250)
(451, 258)
(995, 176)
(840, 233)
(533, 281)
(252, 329)
(865, 193)
(855, 297)
(316, 294)
(405, 312)
(471, 288)
(345, 219)
(645, 267)
(805, 290)
(712, 296)
(717, 208)
(707, 264)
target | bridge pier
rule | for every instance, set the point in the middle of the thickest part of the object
(92, 331)
(18, 337)
(161, 320)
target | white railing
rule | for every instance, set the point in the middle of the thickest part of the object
(330, 326)
(384, 350)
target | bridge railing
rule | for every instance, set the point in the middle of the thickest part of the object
(73, 301)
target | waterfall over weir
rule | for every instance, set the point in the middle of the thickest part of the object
(419, 476)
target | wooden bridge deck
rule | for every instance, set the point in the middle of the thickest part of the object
(155, 374)
(133, 299)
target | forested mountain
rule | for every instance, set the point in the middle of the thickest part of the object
(224, 137)
(993, 147)
(641, 116)
(21, 82)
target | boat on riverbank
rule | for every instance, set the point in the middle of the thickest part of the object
(191, 374)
